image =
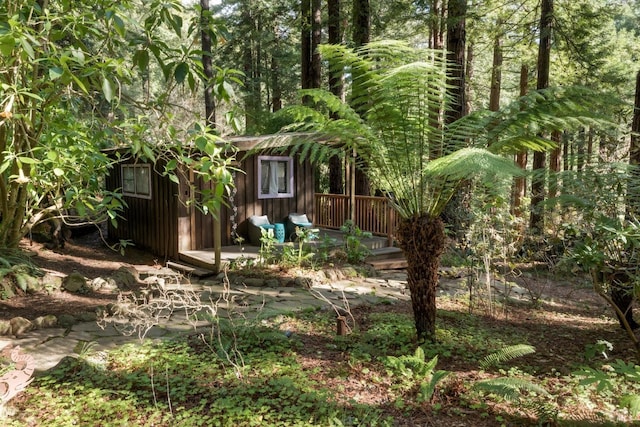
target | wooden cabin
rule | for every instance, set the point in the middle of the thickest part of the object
(157, 218)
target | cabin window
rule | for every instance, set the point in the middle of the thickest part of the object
(136, 181)
(275, 177)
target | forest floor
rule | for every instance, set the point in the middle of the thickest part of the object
(562, 318)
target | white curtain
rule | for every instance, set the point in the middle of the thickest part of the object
(273, 177)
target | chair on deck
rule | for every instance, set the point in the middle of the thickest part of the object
(256, 224)
(296, 220)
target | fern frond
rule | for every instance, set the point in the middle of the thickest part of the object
(632, 403)
(509, 388)
(505, 354)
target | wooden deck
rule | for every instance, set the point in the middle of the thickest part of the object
(205, 258)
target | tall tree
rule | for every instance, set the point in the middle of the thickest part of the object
(496, 73)
(456, 46)
(361, 21)
(207, 67)
(311, 36)
(633, 199)
(436, 24)
(536, 219)
(336, 86)
(361, 35)
(520, 182)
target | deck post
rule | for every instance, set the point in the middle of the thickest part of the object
(390, 222)
(352, 189)
(217, 240)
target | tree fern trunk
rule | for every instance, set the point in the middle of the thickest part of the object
(422, 241)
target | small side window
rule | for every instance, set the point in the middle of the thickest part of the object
(136, 180)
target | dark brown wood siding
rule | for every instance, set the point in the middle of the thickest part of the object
(166, 224)
(150, 224)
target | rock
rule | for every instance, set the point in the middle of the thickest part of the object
(237, 280)
(272, 283)
(52, 282)
(303, 282)
(349, 272)
(5, 327)
(66, 320)
(75, 282)
(20, 325)
(331, 275)
(87, 316)
(321, 276)
(97, 284)
(125, 277)
(254, 282)
(288, 283)
(48, 321)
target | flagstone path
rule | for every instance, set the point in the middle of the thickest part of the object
(50, 345)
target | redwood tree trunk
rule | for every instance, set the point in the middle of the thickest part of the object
(456, 46)
(305, 44)
(316, 38)
(422, 241)
(336, 86)
(361, 22)
(536, 220)
(436, 24)
(496, 75)
(633, 197)
(520, 183)
(361, 36)
(207, 68)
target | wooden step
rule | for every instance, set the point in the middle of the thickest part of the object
(385, 253)
(189, 270)
(389, 264)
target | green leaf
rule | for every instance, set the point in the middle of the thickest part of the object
(141, 59)
(107, 90)
(119, 25)
(55, 73)
(27, 48)
(181, 72)
(27, 160)
(7, 44)
(58, 172)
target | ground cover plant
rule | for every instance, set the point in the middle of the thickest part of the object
(560, 360)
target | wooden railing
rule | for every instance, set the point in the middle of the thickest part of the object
(372, 214)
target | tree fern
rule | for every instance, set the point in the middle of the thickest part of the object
(391, 120)
(505, 354)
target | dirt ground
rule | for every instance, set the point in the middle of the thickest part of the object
(87, 255)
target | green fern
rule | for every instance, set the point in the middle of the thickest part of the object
(414, 371)
(506, 354)
(510, 389)
(632, 403)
